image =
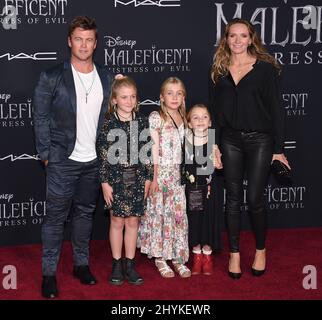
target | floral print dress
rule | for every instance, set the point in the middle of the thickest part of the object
(115, 157)
(163, 231)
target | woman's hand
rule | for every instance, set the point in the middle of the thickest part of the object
(154, 187)
(107, 193)
(217, 157)
(281, 157)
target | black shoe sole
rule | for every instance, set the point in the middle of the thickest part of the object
(52, 296)
(136, 283)
(116, 283)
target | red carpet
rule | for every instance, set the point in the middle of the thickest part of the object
(288, 252)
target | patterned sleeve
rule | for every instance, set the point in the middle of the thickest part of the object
(155, 126)
(155, 120)
(102, 152)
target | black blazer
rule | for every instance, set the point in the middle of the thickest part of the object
(54, 111)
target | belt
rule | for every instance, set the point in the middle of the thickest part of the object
(243, 132)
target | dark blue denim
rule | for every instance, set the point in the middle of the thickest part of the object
(72, 188)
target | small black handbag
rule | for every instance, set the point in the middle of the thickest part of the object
(196, 197)
(280, 170)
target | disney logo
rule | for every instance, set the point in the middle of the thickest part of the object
(6, 196)
(113, 42)
(5, 96)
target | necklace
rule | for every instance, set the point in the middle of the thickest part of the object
(206, 135)
(196, 136)
(173, 119)
(180, 138)
(242, 66)
(125, 118)
(87, 91)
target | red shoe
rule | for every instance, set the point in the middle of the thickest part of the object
(197, 263)
(207, 264)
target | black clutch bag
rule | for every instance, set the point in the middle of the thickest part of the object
(280, 169)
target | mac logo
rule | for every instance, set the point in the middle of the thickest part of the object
(139, 3)
(32, 56)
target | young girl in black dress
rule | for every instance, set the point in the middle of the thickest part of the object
(125, 175)
(199, 169)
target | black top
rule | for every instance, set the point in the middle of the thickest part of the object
(192, 168)
(254, 104)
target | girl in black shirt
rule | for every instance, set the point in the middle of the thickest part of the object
(245, 102)
(204, 227)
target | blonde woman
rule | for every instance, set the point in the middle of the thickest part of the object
(249, 119)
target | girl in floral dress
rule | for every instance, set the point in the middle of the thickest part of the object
(163, 231)
(125, 180)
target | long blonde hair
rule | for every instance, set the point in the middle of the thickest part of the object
(221, 60)
(182, 107)
(125, 81)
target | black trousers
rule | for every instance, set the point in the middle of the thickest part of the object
(250, 153)
(71, 185)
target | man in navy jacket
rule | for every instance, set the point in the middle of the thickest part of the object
(69, 105)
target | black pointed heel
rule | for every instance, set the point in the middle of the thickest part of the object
(257, 273)
(235, 275)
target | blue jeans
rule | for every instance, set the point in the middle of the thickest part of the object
(72, 187)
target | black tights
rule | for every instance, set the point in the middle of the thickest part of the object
(252, 152)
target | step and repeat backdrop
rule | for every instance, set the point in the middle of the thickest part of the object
(152, 40)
